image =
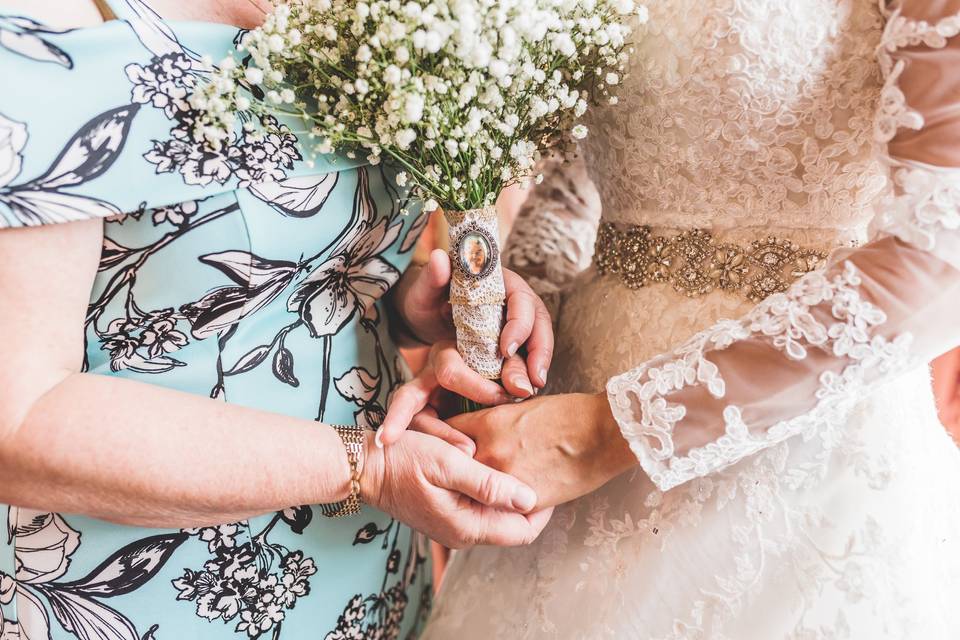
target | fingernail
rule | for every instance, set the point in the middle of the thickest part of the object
(523, 384)
(543, 375)
(524, 499)
(378, 438)
(512, 349)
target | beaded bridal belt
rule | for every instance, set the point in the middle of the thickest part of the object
(697, 264)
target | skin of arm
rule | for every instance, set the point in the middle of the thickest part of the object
(66, 441)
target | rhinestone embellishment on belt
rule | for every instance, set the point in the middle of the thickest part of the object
(695, 264)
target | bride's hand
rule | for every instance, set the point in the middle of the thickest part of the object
(564, 446)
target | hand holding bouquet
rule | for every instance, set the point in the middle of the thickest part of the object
(463, 96)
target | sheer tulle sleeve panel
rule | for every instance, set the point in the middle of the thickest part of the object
(799, 361)
(553, 236)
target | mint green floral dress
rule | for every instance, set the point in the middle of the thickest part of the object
(245, 275)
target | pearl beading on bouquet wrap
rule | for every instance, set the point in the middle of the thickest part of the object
(477, 291)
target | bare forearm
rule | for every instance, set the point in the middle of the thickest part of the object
(144, 455)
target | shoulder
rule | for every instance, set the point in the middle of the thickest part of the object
(92, 111)
(50, 143)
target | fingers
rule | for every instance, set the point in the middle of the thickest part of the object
(424, 422)
(540, 345)
(432, 281)
(515, 378)
(506, 529)
(445, 369)
(438, 268)
(425, 301)
(521, 307)
(487, 486)
(407, 402)
(452, 373)
(528, 321)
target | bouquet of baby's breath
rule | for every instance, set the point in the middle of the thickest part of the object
(462, 96)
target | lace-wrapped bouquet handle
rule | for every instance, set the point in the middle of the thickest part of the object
(459, 97)
(477, 290)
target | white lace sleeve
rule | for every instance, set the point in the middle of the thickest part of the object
(554, 233)
(798, 362)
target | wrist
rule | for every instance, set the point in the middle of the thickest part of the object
(372, 475)
(352, 439)
(618, 456)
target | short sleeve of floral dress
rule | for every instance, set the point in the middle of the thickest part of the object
(247, 275)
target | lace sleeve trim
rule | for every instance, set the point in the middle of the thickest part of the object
(786, 322)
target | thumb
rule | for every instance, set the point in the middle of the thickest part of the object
(406, 403)
(431, 284)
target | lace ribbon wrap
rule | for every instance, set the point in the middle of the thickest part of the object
(477, 291)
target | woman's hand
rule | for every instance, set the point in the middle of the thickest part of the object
(563, 446)
(438, 489)
(423, 305)
(421, 299)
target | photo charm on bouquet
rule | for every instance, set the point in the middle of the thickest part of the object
(461, 98)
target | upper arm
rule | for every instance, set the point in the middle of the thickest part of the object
(552, 239)
(46, 274)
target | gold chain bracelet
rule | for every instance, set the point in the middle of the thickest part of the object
(696, 264)
(352, 437)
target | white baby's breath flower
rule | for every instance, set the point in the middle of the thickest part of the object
(579, 132)
(392, 75)
(405, 138)
(276, 43)
(253, 75)
(413, 108)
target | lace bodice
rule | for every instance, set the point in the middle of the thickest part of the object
(744, 112)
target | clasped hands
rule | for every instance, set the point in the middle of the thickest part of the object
(493, 476)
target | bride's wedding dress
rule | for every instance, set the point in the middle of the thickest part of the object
(794, 481)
